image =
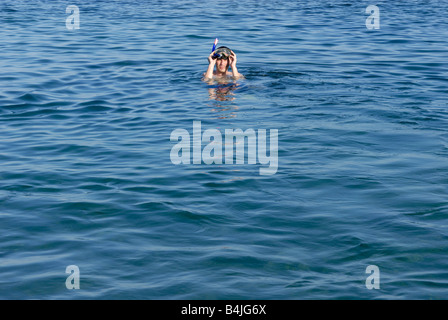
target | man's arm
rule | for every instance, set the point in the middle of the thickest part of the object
(211, 67)
(235, 72)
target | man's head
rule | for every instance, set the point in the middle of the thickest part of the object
(222, 55)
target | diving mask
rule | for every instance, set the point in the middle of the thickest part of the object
(222, 53)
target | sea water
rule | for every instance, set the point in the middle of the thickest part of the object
(92, 207)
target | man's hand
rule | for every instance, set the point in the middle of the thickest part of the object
(232, 59)
(211, 61)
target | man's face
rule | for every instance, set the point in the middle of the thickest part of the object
(222, 65)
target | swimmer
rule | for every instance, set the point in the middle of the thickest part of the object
(223, 58)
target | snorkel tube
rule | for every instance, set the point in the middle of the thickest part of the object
(214, 44)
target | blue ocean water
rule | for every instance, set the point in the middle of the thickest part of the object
(86, 177)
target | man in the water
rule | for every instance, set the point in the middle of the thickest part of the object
(222, 58)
